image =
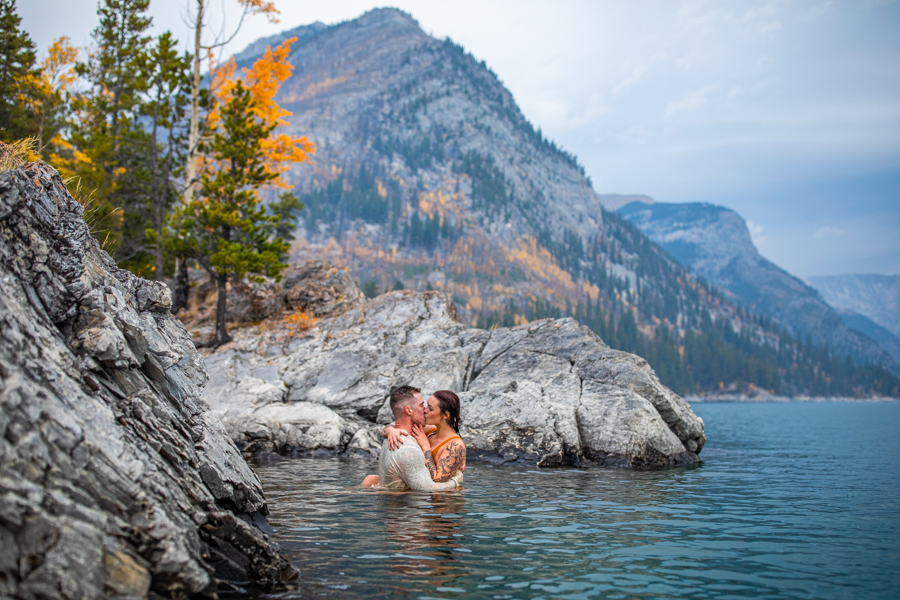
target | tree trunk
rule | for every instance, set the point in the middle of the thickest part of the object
(222, 336)
(182, 287)
(158, 197)
(190, 167)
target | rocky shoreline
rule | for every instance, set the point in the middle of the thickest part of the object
(763, 397)
(549, 392)
(116, 480)
(123, 447)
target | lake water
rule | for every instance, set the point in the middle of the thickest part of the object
(790, 501)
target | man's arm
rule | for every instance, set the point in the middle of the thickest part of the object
(414, 472)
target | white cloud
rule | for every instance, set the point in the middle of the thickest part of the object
(756, 233)
(633, 78)
(692, 100)
(828, 232)
(772, 27)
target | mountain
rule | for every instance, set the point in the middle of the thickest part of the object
(428, 176)
(715, 243)
(865, 325)
(874, 296)
(617, 201)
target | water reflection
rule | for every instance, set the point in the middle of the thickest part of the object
(426, 531)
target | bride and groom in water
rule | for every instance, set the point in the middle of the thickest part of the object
(435, 458)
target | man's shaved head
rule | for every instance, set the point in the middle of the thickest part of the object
(403, 396)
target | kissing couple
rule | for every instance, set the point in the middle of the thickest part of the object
(436, 459)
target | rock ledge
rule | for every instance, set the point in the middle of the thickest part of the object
(549, 391)
(116, 480)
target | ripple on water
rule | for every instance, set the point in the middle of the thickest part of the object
(788, 503)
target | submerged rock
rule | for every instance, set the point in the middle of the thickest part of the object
(549, 391)
(116, 480)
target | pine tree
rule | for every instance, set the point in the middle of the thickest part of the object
(109, 157)
(200, 16)
(227, 229)
(275, 154)
(19, 77)
(287, 209)
(168, 80)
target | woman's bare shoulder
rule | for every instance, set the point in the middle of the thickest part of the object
(456, 442)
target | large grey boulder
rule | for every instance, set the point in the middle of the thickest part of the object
(116, 480)
(549, 391)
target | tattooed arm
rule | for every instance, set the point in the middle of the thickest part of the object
(429, 462)
(452, 459)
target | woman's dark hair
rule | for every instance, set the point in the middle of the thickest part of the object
(449, 405)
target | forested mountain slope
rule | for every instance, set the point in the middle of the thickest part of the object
(714, 242)
(428, 176)
(874, 296)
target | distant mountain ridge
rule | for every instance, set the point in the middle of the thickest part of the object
(865, 325)
(428, 176)
(715, 243)
(874, 296)
(616, 201)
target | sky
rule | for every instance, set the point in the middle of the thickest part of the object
(787, 112)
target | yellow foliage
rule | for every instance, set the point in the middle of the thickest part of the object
(477, 269)
(298, 322)
(537, 261)
(315, 88)
(441, 201)
(261, 7)
(58, 69)
(263, 80)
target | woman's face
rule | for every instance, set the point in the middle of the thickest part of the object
(433, 414)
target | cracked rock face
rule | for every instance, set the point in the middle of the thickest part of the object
(116, 480)
(549, 391)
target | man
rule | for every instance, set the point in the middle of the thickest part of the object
(404, 468)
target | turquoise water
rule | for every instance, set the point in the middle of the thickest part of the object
(791, 501)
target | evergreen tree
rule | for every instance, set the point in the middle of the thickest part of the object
(168, 78)
(287, 208)
(278, 150)
(370, 289)
(110, 143)
(200, 16)
(19, 77)
(226, 229)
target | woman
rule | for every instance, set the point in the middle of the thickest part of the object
(445, 451)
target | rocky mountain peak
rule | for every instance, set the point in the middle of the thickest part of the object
(703, 236)
(390, 18)
(617, 201)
